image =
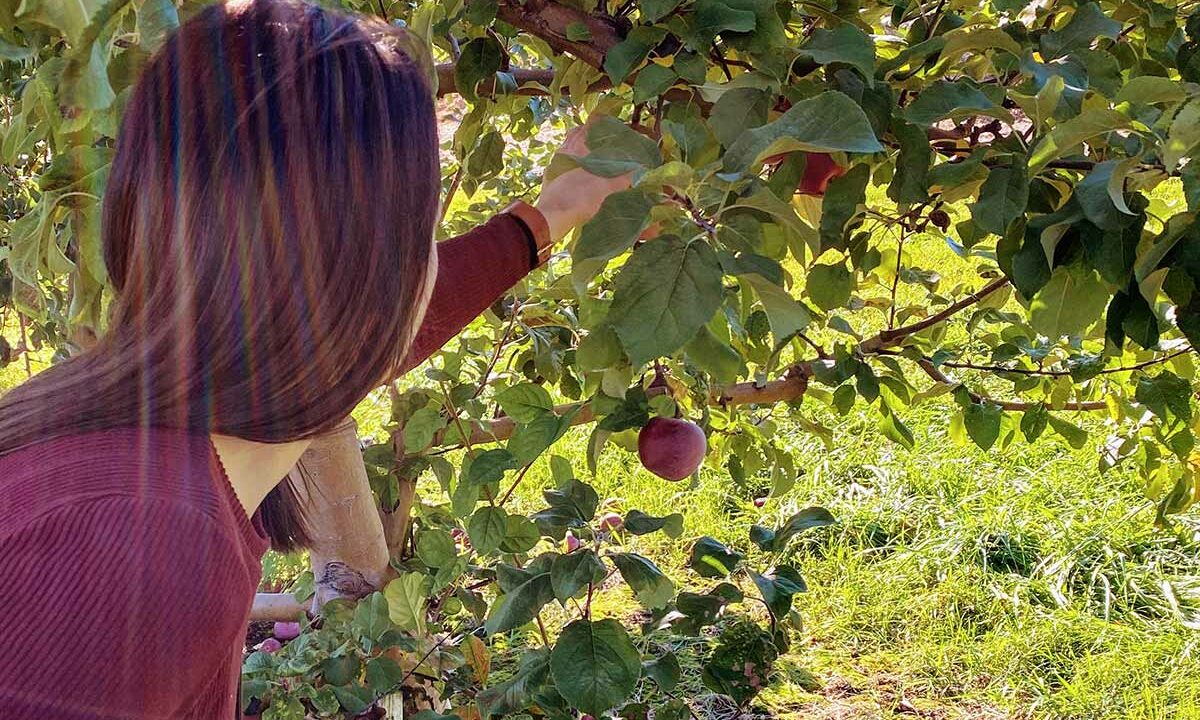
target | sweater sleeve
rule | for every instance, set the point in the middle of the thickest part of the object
(118, 608)
(474, 270)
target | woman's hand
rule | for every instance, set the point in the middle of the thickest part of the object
(571, 199)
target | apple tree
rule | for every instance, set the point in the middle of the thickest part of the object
(788, 161)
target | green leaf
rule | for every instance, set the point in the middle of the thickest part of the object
(519, 605)
(663, 296)
(639, 523)
(651, 11)
(1095, 196)
(786, 314)
(435, 548)
(1072, 300)
(1167, 395)
(842, 200)
(489, 466)
(532, 439)
(621, 219)
(713, 17)
(574, 503)
(1068, 135)
(1183, 136)
(714, 356)
(1033, 422)
(829, 286)
(487, 529)
(383, 673)
(156, 19)
(624, 57)
(911, 182)
(778, 587)
(843, 44)
(1088, 23)
(710, 558)
(599, 349)
(978, 37)
(982, 421)
(406, 601)
(578, 32)
(652, 81)
(737, 111)
(653, 589)
(954, 100)
(665, 671)
(806, 519)
(487, 159)
(1150, 90)
(895, 430)
(1003, 198)
(520, 534)
(480, 58)
(829, 122)
(595, 665)
(514, 695)
(525, 402)
(371, 619)
(421, 427)
(615, 149)
(572, 572)
(1075, 436)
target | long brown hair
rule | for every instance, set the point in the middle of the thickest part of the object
(267, 228)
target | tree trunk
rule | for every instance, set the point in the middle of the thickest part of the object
(349, 555)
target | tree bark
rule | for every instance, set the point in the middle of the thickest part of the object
(349, 556)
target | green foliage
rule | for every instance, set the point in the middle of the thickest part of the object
(1050, 147)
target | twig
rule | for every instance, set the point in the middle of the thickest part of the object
(896, 280)
(520, 476)
(487, 374)
(25, 347)
(454, 183)
(1063, 373)
(542, 630)
(932, 371)
(893, 336)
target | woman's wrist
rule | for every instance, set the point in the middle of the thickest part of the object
(537, 228)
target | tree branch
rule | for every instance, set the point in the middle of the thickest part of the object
(1064, 373)
(1014, 405)
(891, 337)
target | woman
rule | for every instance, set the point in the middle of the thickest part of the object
(268, 230)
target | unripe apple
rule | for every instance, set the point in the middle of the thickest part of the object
(270, 645)
(611, 521)
(572, 543)
(286, 630)
(671, 448)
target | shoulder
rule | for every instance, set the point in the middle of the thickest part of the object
(154, 467)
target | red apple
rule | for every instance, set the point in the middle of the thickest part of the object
(286, 630)
(819, 169)
(270, 645)
(671, 448)
(611, 521)
(759, 502)
(572, 543)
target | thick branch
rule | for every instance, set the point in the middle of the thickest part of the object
(278, 607)
(549, 22)
(529, 82)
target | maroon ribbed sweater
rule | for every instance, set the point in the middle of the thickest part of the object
(127, 565)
